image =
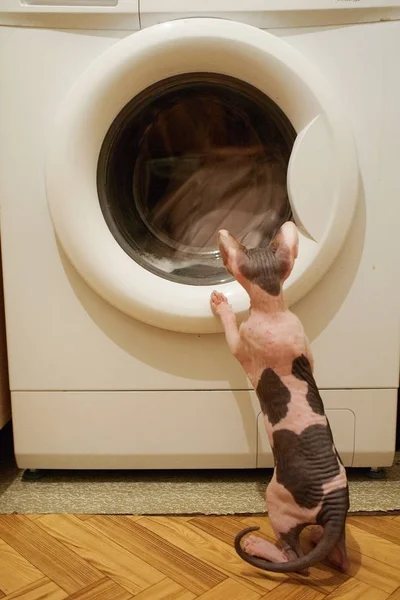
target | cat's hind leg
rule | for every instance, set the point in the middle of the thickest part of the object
(256, 546)
(338, 555)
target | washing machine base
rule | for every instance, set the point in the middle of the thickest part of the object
(184, 429)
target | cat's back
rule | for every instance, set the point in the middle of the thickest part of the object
(278, 330)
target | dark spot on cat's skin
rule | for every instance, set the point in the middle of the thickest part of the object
(273, 395)
(260, 266)
(301, 369)
(335, 504)
(305, 462)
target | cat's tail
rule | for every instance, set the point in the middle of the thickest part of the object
(333, 531)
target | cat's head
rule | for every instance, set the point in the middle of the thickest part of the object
(266, 268)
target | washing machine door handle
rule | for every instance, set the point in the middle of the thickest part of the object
(311, 171)
(314, 178)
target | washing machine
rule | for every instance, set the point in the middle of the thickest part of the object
(108, 110)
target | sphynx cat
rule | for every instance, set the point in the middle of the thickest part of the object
(309, 484)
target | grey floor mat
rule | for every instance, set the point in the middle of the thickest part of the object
(171, 492)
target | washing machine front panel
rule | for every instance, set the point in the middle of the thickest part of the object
(322, 173)
(69, 350)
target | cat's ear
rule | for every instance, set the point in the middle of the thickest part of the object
(229, 248)
(285, 245)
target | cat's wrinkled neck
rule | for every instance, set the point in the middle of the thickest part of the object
(264, 302)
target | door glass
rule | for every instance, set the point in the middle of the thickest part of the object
(191, 155)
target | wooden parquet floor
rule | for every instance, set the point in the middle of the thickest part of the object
(83, 557)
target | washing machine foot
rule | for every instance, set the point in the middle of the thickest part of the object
(33, 474)
(376, 473)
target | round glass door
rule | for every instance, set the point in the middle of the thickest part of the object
(191, 155)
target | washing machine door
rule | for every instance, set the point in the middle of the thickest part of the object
(153, 151)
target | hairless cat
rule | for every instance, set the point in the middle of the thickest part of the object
(309, 484)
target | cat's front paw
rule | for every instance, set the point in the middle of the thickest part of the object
(218, 302)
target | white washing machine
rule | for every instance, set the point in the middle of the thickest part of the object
(115, 358)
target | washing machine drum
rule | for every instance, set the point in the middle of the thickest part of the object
(183, 129)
